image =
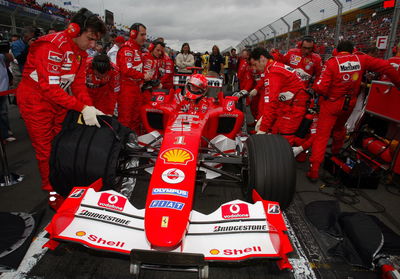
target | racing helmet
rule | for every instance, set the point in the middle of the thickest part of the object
(196, 87)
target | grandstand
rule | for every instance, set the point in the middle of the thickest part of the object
(360, 23)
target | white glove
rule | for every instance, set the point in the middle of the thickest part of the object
(261, 133)
(285, 96)
(89, 115)
(253, 92)
(240, 94)
(257, 127)
(303, 74)
(297, 150)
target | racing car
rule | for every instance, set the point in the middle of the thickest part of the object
(190, 138)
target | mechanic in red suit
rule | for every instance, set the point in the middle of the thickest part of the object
(394, 60)
(102, 81)
(129, 62)
(53, 81)
(304, 60)
(338, 87)
(285, 98)
(245, 75)
(167, 72)
(152, 61)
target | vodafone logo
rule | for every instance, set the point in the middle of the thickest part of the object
(235, 211)
(173, 176)
(112, 201)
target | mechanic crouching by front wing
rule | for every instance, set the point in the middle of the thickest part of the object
(338, 87)
(102, 81)
(285, 98)
(130, 64)
(53, 81)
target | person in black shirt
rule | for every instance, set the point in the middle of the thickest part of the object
(216, 62)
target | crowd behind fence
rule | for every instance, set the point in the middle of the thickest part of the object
(329, 21)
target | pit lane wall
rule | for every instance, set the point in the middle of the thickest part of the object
(329, 21)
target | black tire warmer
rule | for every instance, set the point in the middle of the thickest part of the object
(82, 154)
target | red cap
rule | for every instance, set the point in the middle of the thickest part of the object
(119, 40)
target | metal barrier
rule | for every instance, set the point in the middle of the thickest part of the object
(330, 21)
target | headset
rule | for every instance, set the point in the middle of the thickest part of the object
(135, 30)
(153, 45)
(307, 38)
(74, 29)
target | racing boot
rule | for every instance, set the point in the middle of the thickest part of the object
(55, 200)
(313, 173)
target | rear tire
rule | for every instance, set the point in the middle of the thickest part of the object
(269, 168)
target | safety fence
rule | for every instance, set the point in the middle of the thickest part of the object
(328, 21)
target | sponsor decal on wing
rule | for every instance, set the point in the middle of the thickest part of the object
(113, 202)
(235, 211)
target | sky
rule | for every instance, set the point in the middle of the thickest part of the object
(201, 23)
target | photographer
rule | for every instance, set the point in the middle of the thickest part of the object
(5, 59)
(20, 48)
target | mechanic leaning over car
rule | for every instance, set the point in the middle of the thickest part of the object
(152, 61)
(338, 87)
(53, 81)
(304, 59)
(129, 62)
(285, 98)
(102, 81)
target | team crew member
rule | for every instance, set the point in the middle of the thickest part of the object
(285, 99)
(102, 81)
(129, 62)
(339, 86)
(53, 81)
(245, 75)
(303, 58)
(394, 60)
(167, 72)
(152, 61)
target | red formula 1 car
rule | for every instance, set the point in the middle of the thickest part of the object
(187, 142)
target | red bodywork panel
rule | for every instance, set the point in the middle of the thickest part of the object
(171, 190)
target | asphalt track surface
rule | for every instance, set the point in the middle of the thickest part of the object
(310, 258)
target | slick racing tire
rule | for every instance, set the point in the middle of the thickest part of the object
(269, 168)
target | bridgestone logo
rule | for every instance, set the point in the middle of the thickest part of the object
(240, 228)
(104, 217)
(350, 67)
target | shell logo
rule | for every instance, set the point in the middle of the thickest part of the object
(80, 233)
(177, 156)
(214, 251)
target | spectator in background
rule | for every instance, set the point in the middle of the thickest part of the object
(226, 66)
(14, 37)
(112, 53)
(5, 59)
(19, 48)
(233, 66)
(216, 63)
(184, 59)
(205, 58)
(197, 60)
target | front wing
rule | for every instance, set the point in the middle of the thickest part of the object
(236, 231)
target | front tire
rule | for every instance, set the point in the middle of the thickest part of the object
(270, 168)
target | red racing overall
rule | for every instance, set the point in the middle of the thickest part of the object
(53, 82)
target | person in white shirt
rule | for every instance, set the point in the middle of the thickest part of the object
(112, 53)
(184, 59)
